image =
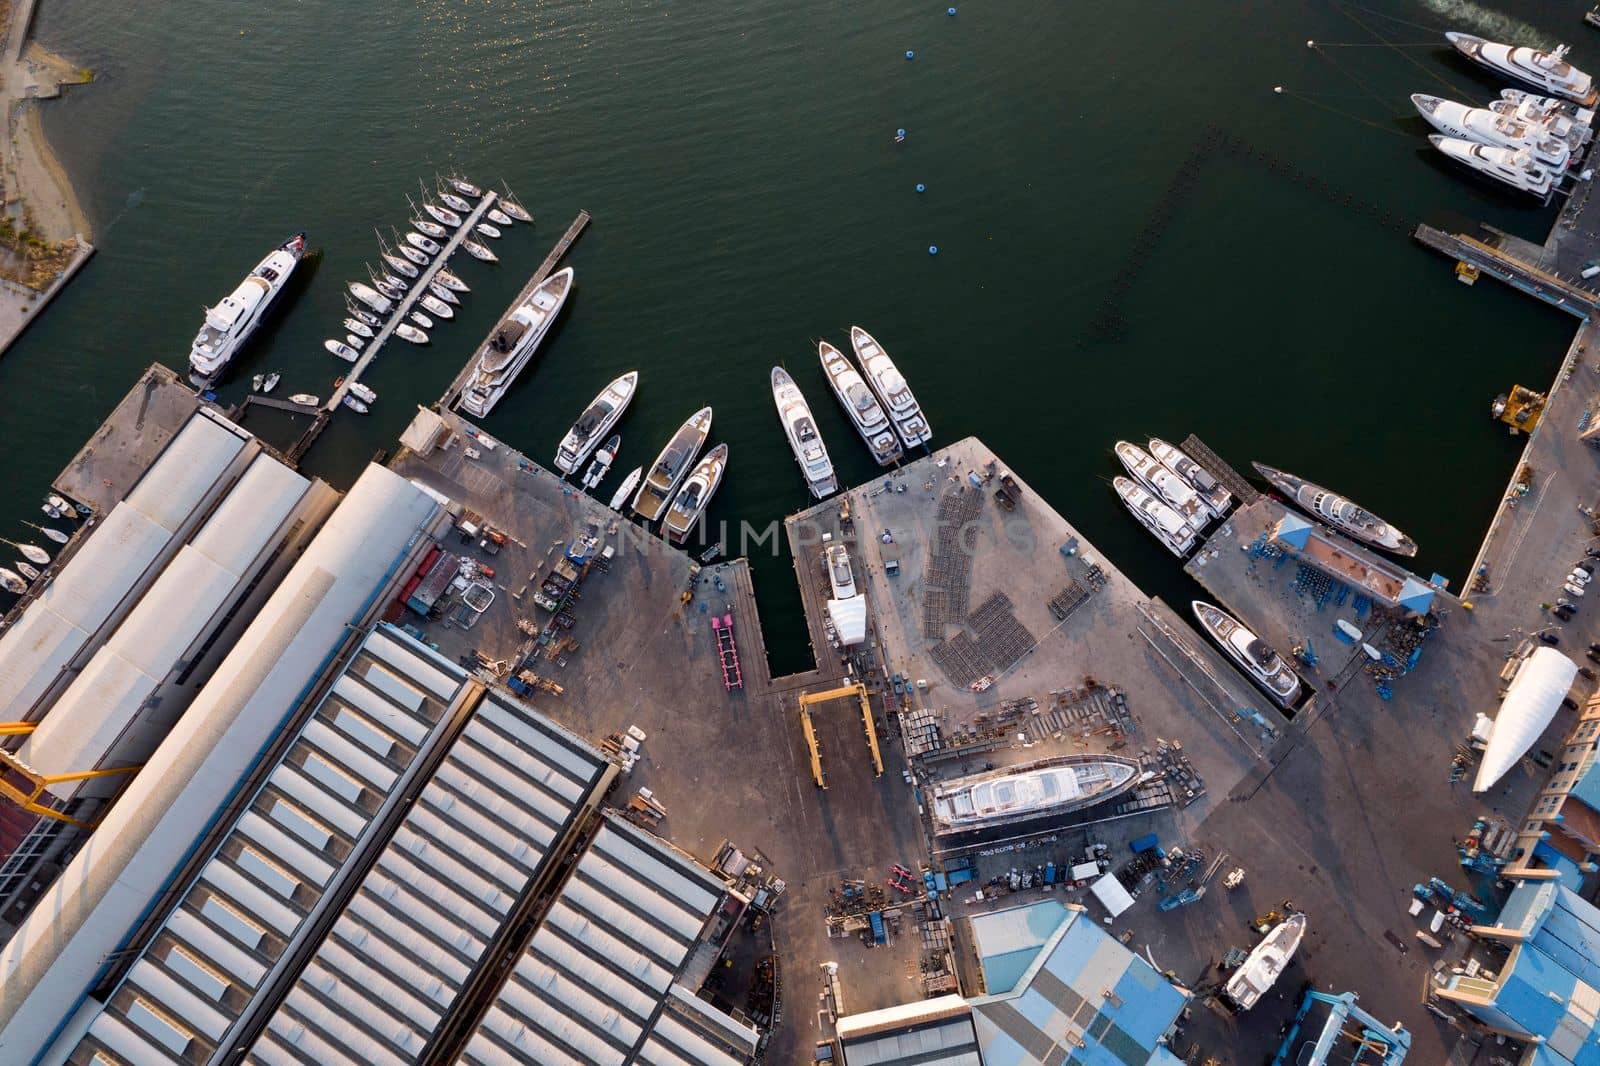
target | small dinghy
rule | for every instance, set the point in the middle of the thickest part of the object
(450, 281)
(423, 244)
(478, 251)
(465, 187)
(255, 382)
(354, 341)
(514, 209)
(363, 392)
(12, 582)
(454, 202)
(54, 534)
(436, 306)
(442, 215)
(272, 381)
(358, 327)
(413, 255)
(487, 230)
(404, 266)
(339, 348)
(499, 217)
(355, 404)
(602, 462)
(432, 229)
(443, 293)
(304, 399)
(27, 571)
(411, 333)
(421, 319)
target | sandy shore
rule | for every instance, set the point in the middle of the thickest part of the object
(32, 172)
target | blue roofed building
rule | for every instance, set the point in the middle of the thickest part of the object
(1547, 992)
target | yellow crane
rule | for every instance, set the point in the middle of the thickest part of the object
(808, 699)
(23, 786)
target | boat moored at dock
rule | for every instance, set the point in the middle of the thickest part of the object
(596, 421)
(866, 414)
(230, 323)
(371, 297)
(1547, 71)
(1266, 667)
(1561, 118)
(1175, 492)
(800, 426)
(890, 385)
(1263, 966)
(630, 482)
(671, 466)
(1484, 126)
(1053, 787)
(513, 343)
(692, 500)
(1217, 498)
(1515, 167)
(1167, 525)
(1340, 513)
(602, 462)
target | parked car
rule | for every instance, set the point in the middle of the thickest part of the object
(1563, 613)
(1549, 637)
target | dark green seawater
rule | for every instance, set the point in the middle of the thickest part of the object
(748, 198)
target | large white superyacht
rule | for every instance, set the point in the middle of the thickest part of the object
(1266, 667)
(1548, 71)
(1052, 786)
(890, 385)
(513, 343)
(595, 422)
(1485, 126)
(1343, 514)
(866, 414)
(1167, 525)
(1175, 492)
(1508, 166)
(805, 441)
(229, 324)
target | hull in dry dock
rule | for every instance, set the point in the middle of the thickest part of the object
(1046, 787)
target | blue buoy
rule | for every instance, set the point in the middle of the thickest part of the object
(910, 54)
(900, 133)
(933, 249)
(921, 187)
(950, 11)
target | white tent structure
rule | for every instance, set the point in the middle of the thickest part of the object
(1530, 706)
(849, 619)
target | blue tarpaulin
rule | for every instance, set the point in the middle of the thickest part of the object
(1294, 531)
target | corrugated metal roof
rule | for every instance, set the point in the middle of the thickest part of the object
(49, 962)
(468, 847)
(252, 512)
(186, 471)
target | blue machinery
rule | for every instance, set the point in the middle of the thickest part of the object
(1360, 1039)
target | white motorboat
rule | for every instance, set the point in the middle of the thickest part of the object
(1217, 498)
(305, 399)
(597, 420)
(255, 382)
(1484, 126)
(407, 332)
(1513, 167)
(692, 500)
(478, 251)
(366, 316)
(423, 244)
(1547, 71)
(603, 458)
(841, 576)
(1343, 514)
(436, 306)
(442, 293)
(400, 264)
(1166, 524)
(354, 341)
(1049, 787)
(1563, 117)
(450, 281)
(1255, 656)
(454, 202)
(12, 582)
(1263, 966)
(887, 382)
(355, 404)
(672, 466)
(800, 426)
(230, 323)
(56, 507)
(27, 570)
(499, 217)
(625, 489)
(420, 319)
(413, 256)
(1175, 492)
(442, 215)
(271, 383)
(486, 229)
(341, 349)
(465, 187)
(514, 342)
(858, 401)
(432, 229)
(358, 327)
(514, 209)
(362, 392)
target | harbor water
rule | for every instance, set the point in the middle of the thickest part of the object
(1136, 235)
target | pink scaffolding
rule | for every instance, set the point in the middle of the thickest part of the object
(728, 651)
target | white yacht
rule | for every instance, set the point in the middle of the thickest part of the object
(1217, 498)
(1175, 492)
(1052, 786)
(891, 387)
(866, 414)
(229, 324)
(603, 458)
(1263, 966)
(513, 343)
(1167, 525)
(1343, 514)
(801, 428)
(695, 496)
(1562, 118)
(371, 297)
(595, 422)
(1547, 71)
(840, 576)
(1266, 667)
(671, 466)
(1509, 166)
(1486, 127)
(625, 489)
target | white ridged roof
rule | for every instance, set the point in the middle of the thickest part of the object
(239, 528)
(187, 469)
(46, 967)
(1530, 706)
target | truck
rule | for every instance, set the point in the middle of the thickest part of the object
(875, 920)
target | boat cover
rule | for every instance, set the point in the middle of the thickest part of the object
(1530, 705)
(849, 619)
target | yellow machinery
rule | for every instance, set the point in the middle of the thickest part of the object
(857, 690)
(22, 786)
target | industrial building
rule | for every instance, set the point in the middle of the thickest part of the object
(1562, 830)
(929, 1032)
(1343, 560)
(1546, 992)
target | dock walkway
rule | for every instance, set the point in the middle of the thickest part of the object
(549, 264)
(1519, 273)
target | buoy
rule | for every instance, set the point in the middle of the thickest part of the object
(950, 11)
(1311, 44)
(1278, 89)
(933, 249)
(910, 54)
(921, 187)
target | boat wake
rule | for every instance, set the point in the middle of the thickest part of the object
(1486, 22)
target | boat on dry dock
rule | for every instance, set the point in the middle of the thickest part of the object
(692, 500)
(890, 385)
(671, 466)
(1217, 498)
(1047, 787)
(595, 422)
(1263, 966)
(865, 413)
(1339, 512)
(513, 343)
(1172, 489)
(1266, 667)
(1167, 525)
(801, 428)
